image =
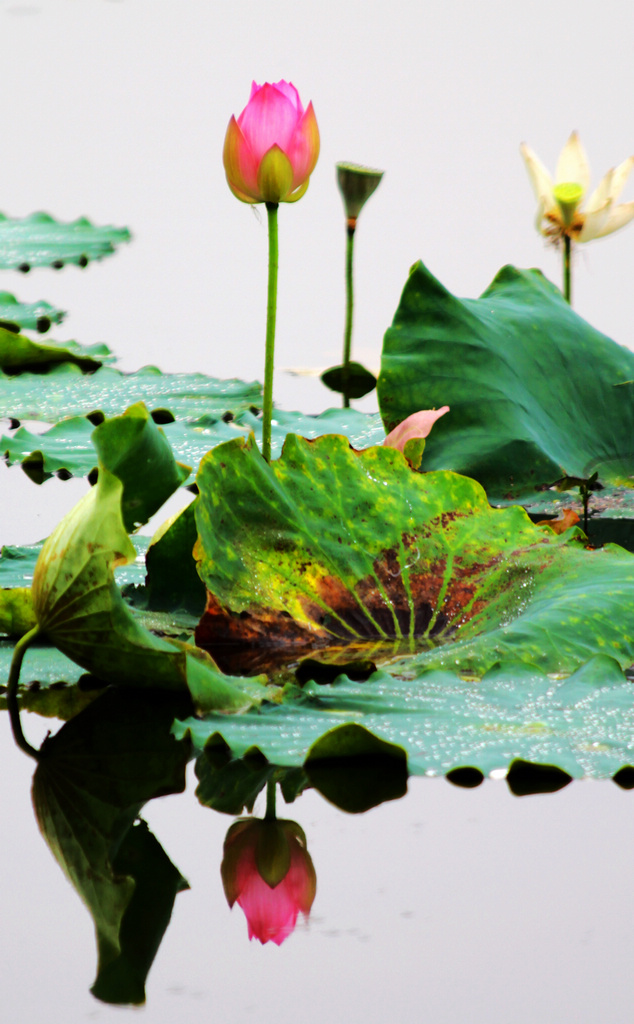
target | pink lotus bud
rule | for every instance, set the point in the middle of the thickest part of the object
(271, 150)
(268, 871)
(419, 424)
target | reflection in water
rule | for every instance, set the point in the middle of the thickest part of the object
(268, 871)
(94, 776)
(91, 782)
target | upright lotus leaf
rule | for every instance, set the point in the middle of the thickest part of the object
(19, 354)
(76, 601)
(328, 544)
(92, 779)
(79, 607)
(33, 316)
(135, 450)
(40, 241)
(530, 384)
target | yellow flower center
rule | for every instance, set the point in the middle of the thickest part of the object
(568, 195)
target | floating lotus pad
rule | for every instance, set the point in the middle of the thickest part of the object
(68, 445)
(65, 392)
(530, 384)
(40, 241)
(583, 724)
(33, 316)
(67, 448)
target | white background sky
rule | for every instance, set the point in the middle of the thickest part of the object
(117, 109)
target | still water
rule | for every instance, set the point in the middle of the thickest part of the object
(448, 905)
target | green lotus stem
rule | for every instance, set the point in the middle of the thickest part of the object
(347, 336)
(567, 254)
(271, 312)
(12, 692)
(270, 799)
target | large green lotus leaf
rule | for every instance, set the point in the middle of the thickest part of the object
(571, 608)
(92, 779)
(327, 544)
(80, 608)
(19, 354)
(530, 384)
(64, 391)
(40, 241)
(584, 723)
(33, 316)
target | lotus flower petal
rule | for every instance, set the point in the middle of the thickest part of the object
(303, 149)
(602, 193)
(618, 218)
(275, 176)
(268, 119)
(595, 222)
(572, 165)
(241, 167)
(540, 178)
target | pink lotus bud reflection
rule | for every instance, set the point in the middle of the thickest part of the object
(271, 149)
(268, 871)
(419, 424)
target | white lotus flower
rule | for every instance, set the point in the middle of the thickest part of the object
(561, 208)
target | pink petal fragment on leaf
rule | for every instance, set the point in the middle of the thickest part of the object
(419, 424)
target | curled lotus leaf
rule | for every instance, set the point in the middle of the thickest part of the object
(78, 604)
